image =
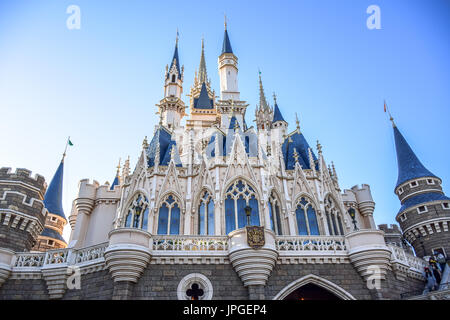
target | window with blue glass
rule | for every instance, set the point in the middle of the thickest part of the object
(274, 213)
(238, 196)
(333, 216)
(206, 214)
(306, 217)
(169, 217)
(137, 214)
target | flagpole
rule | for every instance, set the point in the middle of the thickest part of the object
(389, 113)
(65, 149)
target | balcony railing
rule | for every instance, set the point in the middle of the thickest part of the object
(312, 244)
(190, 243)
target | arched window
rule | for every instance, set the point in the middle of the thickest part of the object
(333, 216)
(169, 216)
(173, 78)
(137, 215)
(274, 212)
(306, 218)
(206, 214)
(238, 196)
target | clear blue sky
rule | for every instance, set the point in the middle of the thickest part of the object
(100, 84)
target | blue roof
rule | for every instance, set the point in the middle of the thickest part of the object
(277, 114)
(115, 182)
(226, 47)
(203, 101)
(422, 198)
(53, 195)
(48, 232)
(301, 145)
(233, 122)
(164, 139)
(409, 166)
(177, 60)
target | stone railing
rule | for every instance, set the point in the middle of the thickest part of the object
(92, 253)
(190, 243)
(29, 260)
(405, 264)
(313, 244)
(59, 256)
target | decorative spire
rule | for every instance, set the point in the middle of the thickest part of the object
(144, 144)
(297, 122)
(319, 148)
(262, 98)
(295, 154)
(202, 74)
(126, 168)
(118, 167)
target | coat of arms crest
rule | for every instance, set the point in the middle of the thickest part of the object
(255, 237)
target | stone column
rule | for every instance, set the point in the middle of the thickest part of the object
(253, 266)
(126, 257)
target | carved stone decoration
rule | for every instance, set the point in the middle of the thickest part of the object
(255, 237)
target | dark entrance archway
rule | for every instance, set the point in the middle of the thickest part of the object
(311, 291)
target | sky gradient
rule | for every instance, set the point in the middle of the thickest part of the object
(99, 84)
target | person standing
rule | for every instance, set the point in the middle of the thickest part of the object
(431, 281)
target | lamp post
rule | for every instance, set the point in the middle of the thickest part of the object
(352, 214)
(248, 212)
(137, 211)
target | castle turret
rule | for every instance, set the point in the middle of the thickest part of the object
(171, 108)
(51, 236)
(263, 113)
(228, 71)
(424, 216)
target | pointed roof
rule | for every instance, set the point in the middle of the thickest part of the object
(203, 101)
(277, 114)
(115, 183)
(53, 195)
(226, 46)
(409, 166)
(176, 61)
(162, 140)
(298, 142)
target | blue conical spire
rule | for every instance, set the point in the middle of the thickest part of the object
(409, 166)
(175, 60)
(53, 196)
(276, 112)
(226, 47)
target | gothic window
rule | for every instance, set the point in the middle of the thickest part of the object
(169, 216)
(173, 78)
(206, 214)
(274, 213)
(306, 218)
(333, 216)
(238, 196)
(137, 215)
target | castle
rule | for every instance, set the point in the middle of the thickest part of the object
(215, 209)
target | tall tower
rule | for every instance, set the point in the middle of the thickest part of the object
(228, 71)
(51, 236)
(424, 216)
(202, 106)
(229, 104)
(171, 108)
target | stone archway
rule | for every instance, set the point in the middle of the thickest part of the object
(312, 287)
